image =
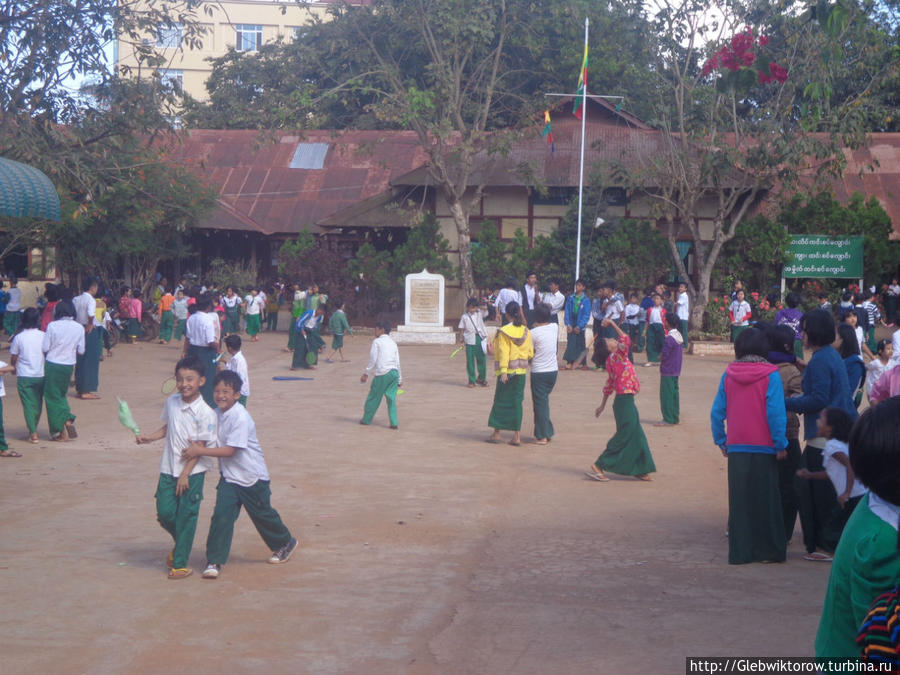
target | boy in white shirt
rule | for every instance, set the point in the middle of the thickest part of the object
(13, 305)
(244, 480)
(4, 448)
(384, 361)
(474, 335)
(238, 364)
(186, 419)
(554, 300)
(27, 355)
(683, 310)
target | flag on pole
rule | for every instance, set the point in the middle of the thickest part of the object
(578, 106)
(548, 132)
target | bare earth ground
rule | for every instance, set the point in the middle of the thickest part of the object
(423, 550)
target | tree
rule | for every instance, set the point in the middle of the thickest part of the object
(733, 123)
(489, 258)
(756, 254)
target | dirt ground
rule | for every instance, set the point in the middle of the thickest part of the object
(423, 550)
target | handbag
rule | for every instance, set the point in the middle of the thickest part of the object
(486, 347)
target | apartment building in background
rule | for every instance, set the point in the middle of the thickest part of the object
(244, 25)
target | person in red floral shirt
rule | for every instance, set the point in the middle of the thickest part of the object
(627, 451)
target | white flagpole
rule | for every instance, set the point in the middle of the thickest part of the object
(581, 174)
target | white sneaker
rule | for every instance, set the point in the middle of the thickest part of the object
(212, 571)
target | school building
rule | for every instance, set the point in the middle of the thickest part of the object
(349, 186)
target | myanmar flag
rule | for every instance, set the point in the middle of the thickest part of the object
(577, 107)
(547, 132)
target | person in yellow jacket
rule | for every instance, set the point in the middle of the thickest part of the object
(513, 349)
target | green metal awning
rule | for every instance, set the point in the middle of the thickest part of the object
(26, 192)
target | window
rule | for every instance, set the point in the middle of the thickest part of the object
(169, 36)
(309, 156)
(248, 38)
(173, 78)
(300, 33)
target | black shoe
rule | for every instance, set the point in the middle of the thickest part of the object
(284, 554)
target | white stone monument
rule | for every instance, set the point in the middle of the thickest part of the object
(423, 318)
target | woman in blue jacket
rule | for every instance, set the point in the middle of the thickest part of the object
(824, 385)
(853, 363)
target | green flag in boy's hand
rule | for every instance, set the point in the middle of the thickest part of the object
(125, 417)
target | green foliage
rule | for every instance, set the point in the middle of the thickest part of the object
(821, 213)
(381, 275)
(715, 316)
(489, 258)
(755, 255)
(242, 276)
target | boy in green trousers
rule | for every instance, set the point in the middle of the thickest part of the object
(384, 362)
(186, 420)
(244, 480)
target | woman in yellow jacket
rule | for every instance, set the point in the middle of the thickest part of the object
(513, 349)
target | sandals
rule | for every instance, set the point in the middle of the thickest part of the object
(10, 453)
(595, 474)
(170, 559)
(818, 557)
(33, 438)
(70, 430)
(59, 437)
(540, 441)
(180, 573)
(515, 443)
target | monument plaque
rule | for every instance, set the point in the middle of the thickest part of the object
(424, 312)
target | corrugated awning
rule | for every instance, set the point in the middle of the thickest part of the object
(26, 192)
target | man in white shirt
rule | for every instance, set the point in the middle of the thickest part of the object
(554, 300)
(530, 298)
(683, 310)
(507, 295)
(13, 306)
(201, 339)
(384, 362)
(87, 366)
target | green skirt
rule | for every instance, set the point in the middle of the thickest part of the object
(541, 386)
(252, 324)
(232, 323)
(655, 338)
(31, 393)
(133, 328)
(755, 518)
(820, 513)
(56, 386)
(575, 347)
(506, 413)
(627, 452)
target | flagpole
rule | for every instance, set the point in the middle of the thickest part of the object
(581, 173)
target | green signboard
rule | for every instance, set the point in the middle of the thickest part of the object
(821, 257)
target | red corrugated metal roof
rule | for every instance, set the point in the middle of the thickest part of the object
(251, 172)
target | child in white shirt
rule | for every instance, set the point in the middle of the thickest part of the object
(384, 362)
(474, 336)
(186, 419)
(27, 355)
(244, 480)
(238, 364)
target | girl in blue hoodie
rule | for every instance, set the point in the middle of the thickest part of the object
(748, 424)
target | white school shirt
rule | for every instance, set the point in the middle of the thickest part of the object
(683, 306)
(506, 296)
(28, 346)
(2, 387)
(531, 295)
(860, 338)
(186, 422)
(739, 310)
(555, 301)
(254, 305)
(384, 357)
(231, 302)
(85, 309)
(180, 308)
(238, 364)
(889, 513)
(213, 319)
(837, 474)
(545, 339)
(654, 314)
(472, 324)
(632, 314)
(237, 429)
(876, 370)
(614, 309)
(14, 304)
(199, 330)
(62, 341)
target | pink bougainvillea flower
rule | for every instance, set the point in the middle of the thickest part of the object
(763, 40)
(778, 72)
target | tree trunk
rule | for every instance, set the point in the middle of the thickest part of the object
(698, 307)
(461, 220)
